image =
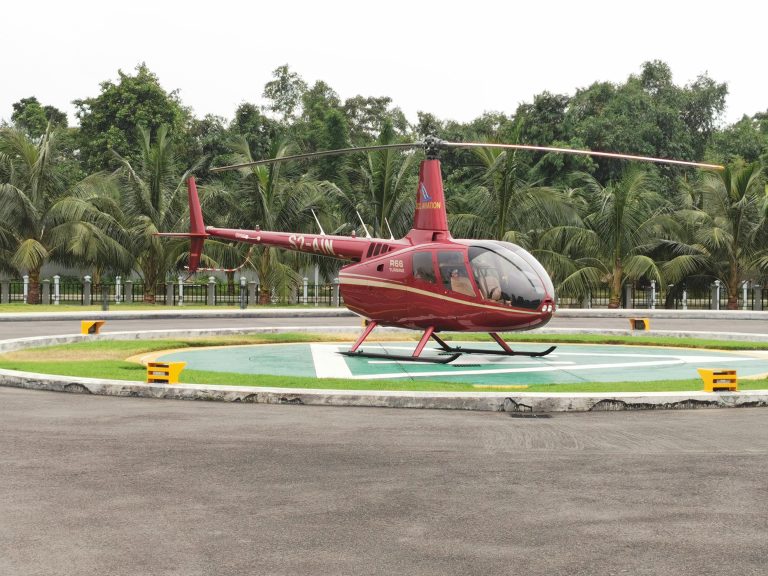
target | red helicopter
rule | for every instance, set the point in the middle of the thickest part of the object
(426, 280)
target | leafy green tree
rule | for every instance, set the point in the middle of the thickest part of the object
(43, 221)
(109, 121)
(647, 115)
(154, 199)
(33, 118)
(746, 139)
(204, 142)
(257, 129)
(284, 93)
(366, 117)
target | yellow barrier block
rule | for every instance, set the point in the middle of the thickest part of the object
(716, 379)
(639, 324)
(164, 372)
(91, 326)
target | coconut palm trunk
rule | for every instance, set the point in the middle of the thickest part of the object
(33, 293)
(614, 300)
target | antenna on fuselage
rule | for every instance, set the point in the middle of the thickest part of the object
(322, 232)
(391, 236)
(367, 235)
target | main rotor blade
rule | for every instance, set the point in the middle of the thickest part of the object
(319, 155)
(444, 144)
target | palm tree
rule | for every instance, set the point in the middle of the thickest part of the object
(510, 204)
(275, 197)
(727, 234)
(623, 222)
(41, 220)
(154, 200)
(388, 190)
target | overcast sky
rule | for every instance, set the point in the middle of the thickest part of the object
(454, 59)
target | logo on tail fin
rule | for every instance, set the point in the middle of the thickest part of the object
(425, 197)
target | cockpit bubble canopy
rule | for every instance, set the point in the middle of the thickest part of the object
(507, 274)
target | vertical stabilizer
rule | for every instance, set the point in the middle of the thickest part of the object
(196, 226)
(430, 201)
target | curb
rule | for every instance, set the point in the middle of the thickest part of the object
(520, 403)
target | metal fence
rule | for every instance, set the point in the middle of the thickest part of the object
(171, 293)
(670, 298)
(327, 294)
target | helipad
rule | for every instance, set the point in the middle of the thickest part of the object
(567, 364)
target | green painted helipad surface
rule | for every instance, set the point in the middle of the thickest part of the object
(567, 364)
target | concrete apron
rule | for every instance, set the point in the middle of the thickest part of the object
(522, 403)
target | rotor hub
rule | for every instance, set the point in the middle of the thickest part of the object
(432, 147)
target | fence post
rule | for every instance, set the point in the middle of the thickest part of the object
(210, 299)
(118, 290)
(26, 288)
(181, 290)
(128, 294)
(252, 291)
(317, 284)
(653, 294)
(5, 291)
(305, 291)
(46, 296)
(335, 301)
(86, 290)
(744, 294)
(714, 296)
(168, 293)
(757, 297)
(56, 289)
(243, 303)
(104, 296)
(627, 295)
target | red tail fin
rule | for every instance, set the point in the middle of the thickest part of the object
(197, 233)
(196, 225)
(430, 200)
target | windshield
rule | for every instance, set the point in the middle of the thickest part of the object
(507, 274)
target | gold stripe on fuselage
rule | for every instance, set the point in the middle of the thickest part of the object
(362, 280)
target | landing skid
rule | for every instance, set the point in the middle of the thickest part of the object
(455, 352)
(505, 352)
(403, 357)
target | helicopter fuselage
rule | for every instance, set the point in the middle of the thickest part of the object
(414, 282)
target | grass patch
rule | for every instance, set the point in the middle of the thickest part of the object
(106, 359)
(121, 370)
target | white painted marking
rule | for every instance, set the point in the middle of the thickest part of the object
(484, 361)
(549, 368)
(328, 363)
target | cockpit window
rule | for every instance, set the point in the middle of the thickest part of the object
(423, 268)
(453, 272)
(505, 277)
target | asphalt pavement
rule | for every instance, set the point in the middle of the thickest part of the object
(25, 328)
(94, 485)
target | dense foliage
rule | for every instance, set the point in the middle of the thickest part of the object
(92, 195)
